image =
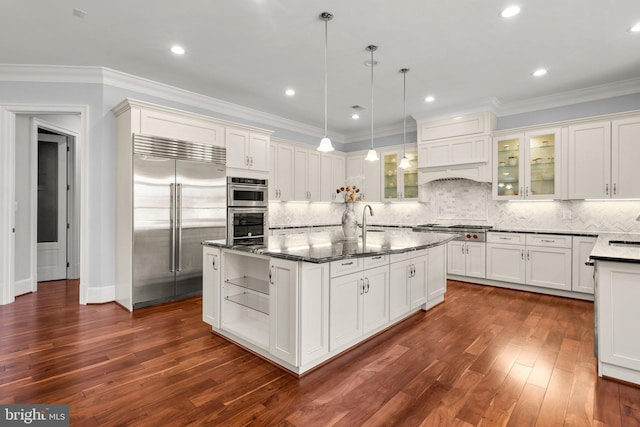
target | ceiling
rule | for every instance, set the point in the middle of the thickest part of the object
(248, 52)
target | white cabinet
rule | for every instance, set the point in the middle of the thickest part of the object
(177, 124)
(532, 259)
(332, 177)
(466, 258)
(365, 175)
(247, 150)
(471, 124)
(283, 310)
(527, 165)
(582, 274)
(359, 302)
(211, 286)
(306, 184)
(399, 184)
(436, 273)
(408, 290)
(281, 158)
(468, 157)
(314, 312)
(618, 320)
(603, 159)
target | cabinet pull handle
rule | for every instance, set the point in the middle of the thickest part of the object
(347, 263)
(528, 255)
(526, 190)
(589, 263)
(462, 247)
(521, 191)
(547, 241)
(367, 280)
(377, 257)
(467, 250)
(213, 262)
(606, 189)
(251, 160)
(504, 238)
(615, 190)
(522, 254)
(270, 275)
(361, 286)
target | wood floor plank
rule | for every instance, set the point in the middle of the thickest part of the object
(487, 356)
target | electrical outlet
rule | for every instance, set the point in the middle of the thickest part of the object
(566, 214)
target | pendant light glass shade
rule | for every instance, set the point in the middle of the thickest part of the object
(404, 163)
(372, 155)
(325, 143)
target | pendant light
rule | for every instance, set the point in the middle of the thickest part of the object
(325, 143)
(404, 163)
(372, 155)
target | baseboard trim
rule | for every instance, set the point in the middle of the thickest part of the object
(22, 287)
(100, 295)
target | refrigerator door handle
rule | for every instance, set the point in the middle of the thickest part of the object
(172, 230)
(179, 225)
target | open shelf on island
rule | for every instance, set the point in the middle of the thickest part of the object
(250, 300)
(247, 282)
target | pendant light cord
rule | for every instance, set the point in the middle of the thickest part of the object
(326, 80)
(404, 112)
(372, 65)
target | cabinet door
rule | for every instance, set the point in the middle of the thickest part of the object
(508, 175)
(399, 292)
(589, 162)
(582, 277)
(390, 176)
(625, 152)
(313, 176)
(338, 171)
(285, 172)
(549, 267)
(177, 126)
(436, 273)
(418, 281)
(300, 191)
(211, 286)
(283, 310)
(345, 309)
(371, 184)
(258, 152)
(456, 258)
(332, 176)
(355, 174)
(314, 312)
(618, 315)
(541, 163)
(475, 259)
(273, 171)
(375, 305)
(237, 142)
(506, 263)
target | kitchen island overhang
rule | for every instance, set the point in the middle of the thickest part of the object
(307, 298)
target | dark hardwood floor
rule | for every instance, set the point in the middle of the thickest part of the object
(487, 356)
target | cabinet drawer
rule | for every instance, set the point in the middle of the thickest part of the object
(508, 238)
(549, 240)
(376, 261)
(345, 266)
(399, 257)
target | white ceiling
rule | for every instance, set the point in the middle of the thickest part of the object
(249, 51)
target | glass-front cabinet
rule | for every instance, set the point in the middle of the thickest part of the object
(526, 165)
(397, 183)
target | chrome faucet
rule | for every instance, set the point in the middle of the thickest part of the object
(364, 224)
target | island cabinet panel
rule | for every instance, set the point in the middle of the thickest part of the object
(283, 309)
(618, 320)
(346, 309)
(418, 280)
(314, 311)
(436, 273)
(211, 286)
(582, 272)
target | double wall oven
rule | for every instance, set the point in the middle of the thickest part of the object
(247, 211)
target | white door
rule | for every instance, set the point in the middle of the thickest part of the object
(283, 310)
(506, 263)
(52, 207)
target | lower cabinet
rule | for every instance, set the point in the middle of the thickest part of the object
(211, 286)
(436, 274)
(466, 258)
(582, 275)
(283, 309)
(618, 320)
(358, 305)
(408, 290)
(530, 259)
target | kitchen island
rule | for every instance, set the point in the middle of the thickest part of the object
(306, 298)
(617, 271)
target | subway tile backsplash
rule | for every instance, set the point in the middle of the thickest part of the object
(470, 202)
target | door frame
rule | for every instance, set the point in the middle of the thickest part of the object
(8, 115)
(71, 211)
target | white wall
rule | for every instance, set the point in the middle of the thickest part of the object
(23, 235)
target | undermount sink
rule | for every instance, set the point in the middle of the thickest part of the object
(630, 243)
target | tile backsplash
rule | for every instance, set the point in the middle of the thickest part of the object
(470, 202)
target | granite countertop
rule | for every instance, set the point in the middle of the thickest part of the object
(327, 246)
(603, 251)
(542, 231)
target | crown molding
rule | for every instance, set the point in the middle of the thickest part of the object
(593, 93)
(379, 133)
(50, 73)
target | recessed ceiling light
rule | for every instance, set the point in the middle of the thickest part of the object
(178, 50)
(429, 99)
(540, 72)
(290, 92)
(635, 28)
(510, 12)
(355, 116)
(79, 13)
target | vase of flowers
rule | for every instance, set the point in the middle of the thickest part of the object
(349, 219)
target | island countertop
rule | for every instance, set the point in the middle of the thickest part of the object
(327, 246)
(604, 251)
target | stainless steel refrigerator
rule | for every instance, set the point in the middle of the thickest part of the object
(179, 200)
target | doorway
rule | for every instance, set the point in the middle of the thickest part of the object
(52, 187)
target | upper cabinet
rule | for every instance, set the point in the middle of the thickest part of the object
(364, 175)
(526, 165)
(281, 161)
(602, 159)
(247, 150)
(306, 184)
(332, 176)
(397, 183)
(459, 147)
